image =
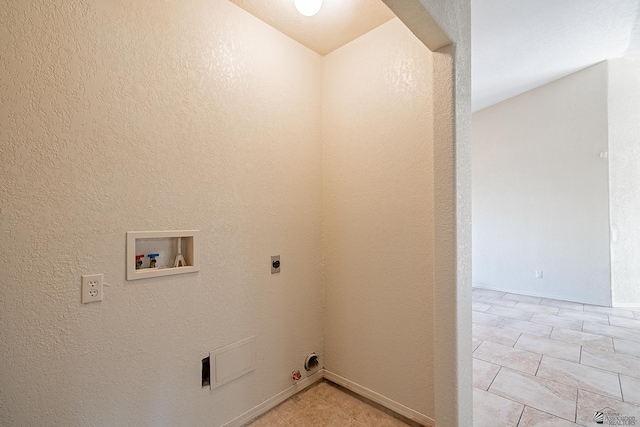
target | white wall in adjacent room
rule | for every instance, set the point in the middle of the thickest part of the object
(624, 173)
(541, 193)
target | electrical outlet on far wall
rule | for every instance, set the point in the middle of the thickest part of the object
(539, 274)
(92, 288)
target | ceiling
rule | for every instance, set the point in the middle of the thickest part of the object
(337, 23)
(519, 45)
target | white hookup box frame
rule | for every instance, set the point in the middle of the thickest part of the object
(165, 239)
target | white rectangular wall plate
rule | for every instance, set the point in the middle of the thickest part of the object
(165, 244)
(91, 288)
(232, 361)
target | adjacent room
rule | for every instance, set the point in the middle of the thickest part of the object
(556, 198)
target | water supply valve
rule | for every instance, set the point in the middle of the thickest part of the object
(152, 260)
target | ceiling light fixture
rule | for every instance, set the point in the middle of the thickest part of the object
(308, 7)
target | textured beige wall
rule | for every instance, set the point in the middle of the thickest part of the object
(135, 90)
(118, 116)
(378, 211)
(624, 176)
(445, 27)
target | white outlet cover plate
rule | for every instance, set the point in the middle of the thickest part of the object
(92, 288)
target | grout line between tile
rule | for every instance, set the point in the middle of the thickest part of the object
(621, 391)
(601, 394)
(504, 397)
(539, 363)
(494, 378)
(580, 359)
(575, 414)
(518, 339)
(520, 418)
(607, 370)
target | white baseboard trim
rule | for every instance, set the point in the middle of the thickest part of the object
(626, 305)
(274, 401)
(380, 399)
(540, 295)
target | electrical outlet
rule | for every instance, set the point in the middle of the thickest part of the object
(539, 274)
(92, 288)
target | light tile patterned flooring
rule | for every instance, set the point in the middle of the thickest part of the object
(327, 405)
(550, 363)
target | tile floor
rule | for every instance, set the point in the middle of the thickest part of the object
(550, 363)
(327, 405)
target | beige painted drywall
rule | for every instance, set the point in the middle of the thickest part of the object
(624, 180)
(541, 192)
(118, 116)
(135, 87)
(445, 27)
(378, 214)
